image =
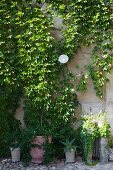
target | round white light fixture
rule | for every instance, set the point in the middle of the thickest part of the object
(63, 59)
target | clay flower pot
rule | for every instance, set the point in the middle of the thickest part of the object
(37, 153)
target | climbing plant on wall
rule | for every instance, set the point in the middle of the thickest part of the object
(30, 68)
(10, 85)
(29, 54)
(89, 22)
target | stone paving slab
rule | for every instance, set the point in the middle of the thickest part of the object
(6, 164)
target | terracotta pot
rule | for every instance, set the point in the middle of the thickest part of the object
(37, 153)
(15, 154)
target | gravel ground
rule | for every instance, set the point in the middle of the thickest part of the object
(6, 164)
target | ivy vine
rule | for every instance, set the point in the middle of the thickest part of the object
(92, 129)
(29, 54)
(89, 22)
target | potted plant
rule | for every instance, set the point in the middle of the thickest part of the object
(39, 127)
(15, 152)
(70, 149)
(37, 147)
(14, 140)
(33, 145)
(89, 131)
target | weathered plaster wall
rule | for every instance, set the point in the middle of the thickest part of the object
(20, 112)
(89, 101)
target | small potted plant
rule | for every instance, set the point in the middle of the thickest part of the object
(15, 152)
(70, 149)
(14, 140)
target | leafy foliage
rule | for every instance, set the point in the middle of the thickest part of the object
(89, 22)
(29, 55)
(90, 130)
(30, 68)
(69, 145)
(104, 131)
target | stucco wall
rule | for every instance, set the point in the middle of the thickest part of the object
(20, 112)
(89, 101)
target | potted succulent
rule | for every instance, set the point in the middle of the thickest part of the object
(14, 140)
(70, 149)
(15, 152)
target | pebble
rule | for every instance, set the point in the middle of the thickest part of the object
(6, 164)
